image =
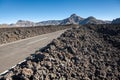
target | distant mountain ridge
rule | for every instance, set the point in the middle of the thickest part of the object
(49, 22)
(73, 19)
(23, 23)
(116, 21)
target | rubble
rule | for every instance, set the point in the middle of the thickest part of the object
(89, 52)
(16, 33)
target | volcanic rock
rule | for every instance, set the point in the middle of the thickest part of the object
(89, 52)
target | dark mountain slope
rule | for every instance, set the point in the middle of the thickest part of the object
(116, 21)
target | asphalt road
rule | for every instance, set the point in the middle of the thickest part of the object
(15, 52)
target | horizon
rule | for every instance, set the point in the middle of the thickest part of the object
(54, 19)
(43, 10)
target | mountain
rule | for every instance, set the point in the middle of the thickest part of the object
(49, 22)
(92, 20)
(116, 21)
(73, 19)
(23, 23)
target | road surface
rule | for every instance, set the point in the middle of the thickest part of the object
(15, 52)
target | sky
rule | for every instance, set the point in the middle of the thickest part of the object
(42, 10)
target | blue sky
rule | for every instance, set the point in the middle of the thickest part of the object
(41, 10)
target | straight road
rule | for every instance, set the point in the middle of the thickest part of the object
(15, 52)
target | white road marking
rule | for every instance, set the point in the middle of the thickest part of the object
(36, 41)
(27, 44)
(21, 61)
(11, 68)
(4, 72)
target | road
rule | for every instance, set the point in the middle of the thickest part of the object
(15, 52)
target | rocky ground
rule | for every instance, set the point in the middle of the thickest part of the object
(17, 33)
(90, 52)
